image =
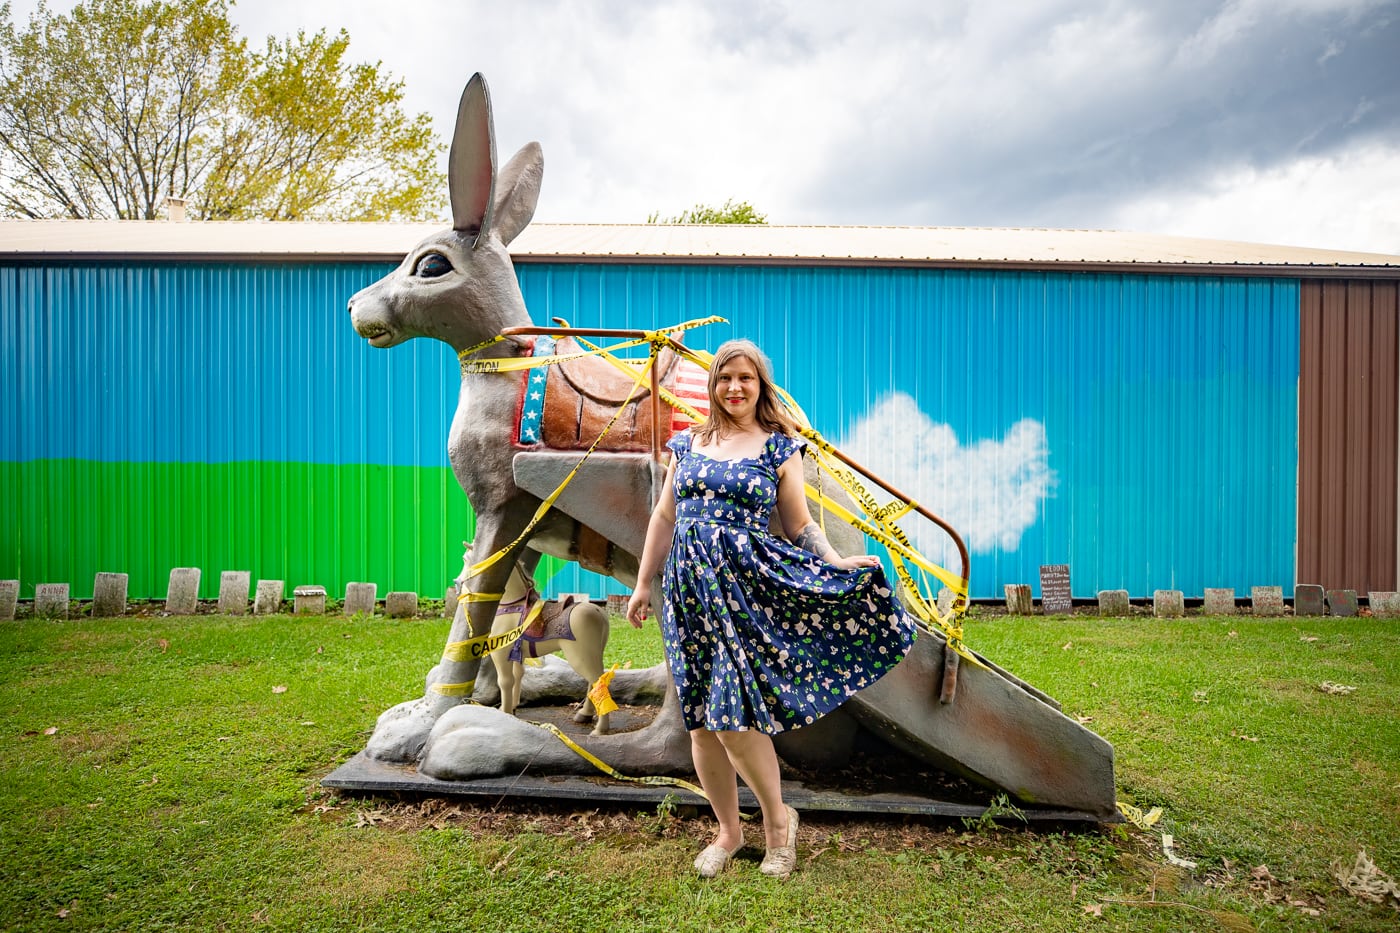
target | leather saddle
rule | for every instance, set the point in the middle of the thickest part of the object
(582, 395)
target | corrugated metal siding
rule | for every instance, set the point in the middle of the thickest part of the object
(1139, 428)
(1167, 404)
(218, 416)
(1349, 393)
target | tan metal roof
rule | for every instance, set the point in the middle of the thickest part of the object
(923, 246)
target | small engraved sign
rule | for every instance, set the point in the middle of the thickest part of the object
(1055, 596)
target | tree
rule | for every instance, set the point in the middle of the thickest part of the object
(731, 212)
(107, 111)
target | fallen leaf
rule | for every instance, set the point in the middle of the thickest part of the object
(320, 650)
(1200, 696)
(308, 722)
(1094, 910)
(1261, 878)
(1067, 645)
(225, 738)
(1084, 720)
(1328, 686)
(1234, 634)
(51, 730)
(63, 913)
(369, 818)
(279, 689)
(1307, 638)
(1367, 881)
(164, 645)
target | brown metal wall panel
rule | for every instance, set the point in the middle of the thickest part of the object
(1348, 404)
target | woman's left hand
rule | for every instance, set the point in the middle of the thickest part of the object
(857, 561)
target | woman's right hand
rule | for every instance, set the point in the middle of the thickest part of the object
(639, 605)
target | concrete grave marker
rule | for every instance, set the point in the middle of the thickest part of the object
(1384, 605)
(1342, 602)
(309, 600)
(401, 604)
(109, 595)
(182, 596)
(1308, 600)
(268, 600)
(233, 591)
(1168, 604)
(359, 598)
(1266, 600)
(9, 597)
(1018, 599)
(1055, 598)
(1219, 601)
(51, 601)
(449, 601)
(1113, 602)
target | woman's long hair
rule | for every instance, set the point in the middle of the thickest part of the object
(770, 413)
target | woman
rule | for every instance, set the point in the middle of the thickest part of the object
(762, 634)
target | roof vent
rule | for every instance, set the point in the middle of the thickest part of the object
(175, 209)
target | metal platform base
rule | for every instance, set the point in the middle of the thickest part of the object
(367, 775)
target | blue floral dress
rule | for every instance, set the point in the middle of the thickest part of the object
(759, 633)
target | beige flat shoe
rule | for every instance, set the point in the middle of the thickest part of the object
(780, 862)
(712, 861)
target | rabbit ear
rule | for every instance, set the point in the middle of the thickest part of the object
(471, 162)
(518, 192)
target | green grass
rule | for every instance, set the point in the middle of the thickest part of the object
(181, 791)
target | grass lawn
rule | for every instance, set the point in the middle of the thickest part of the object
(163, 773)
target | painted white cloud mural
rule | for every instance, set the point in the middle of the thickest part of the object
(990, 490)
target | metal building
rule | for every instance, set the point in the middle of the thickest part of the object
(1155, 412)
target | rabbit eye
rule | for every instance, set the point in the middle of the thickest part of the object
(432, 265)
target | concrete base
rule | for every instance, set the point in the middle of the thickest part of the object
(309, 600)
(182, 596)
(365, 774)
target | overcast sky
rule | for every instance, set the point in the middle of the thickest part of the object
(1273, 121)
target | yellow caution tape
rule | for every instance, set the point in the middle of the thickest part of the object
(454, 690)
(603, 702)
(1143, 821)
(879, 522)
(655, 780)
(477, 568)
(474, 649)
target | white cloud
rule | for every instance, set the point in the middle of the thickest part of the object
(1049, 113)
(1348, 201)
(990, 491)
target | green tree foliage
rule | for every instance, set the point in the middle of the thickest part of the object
(730, 212)
(110, 109)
